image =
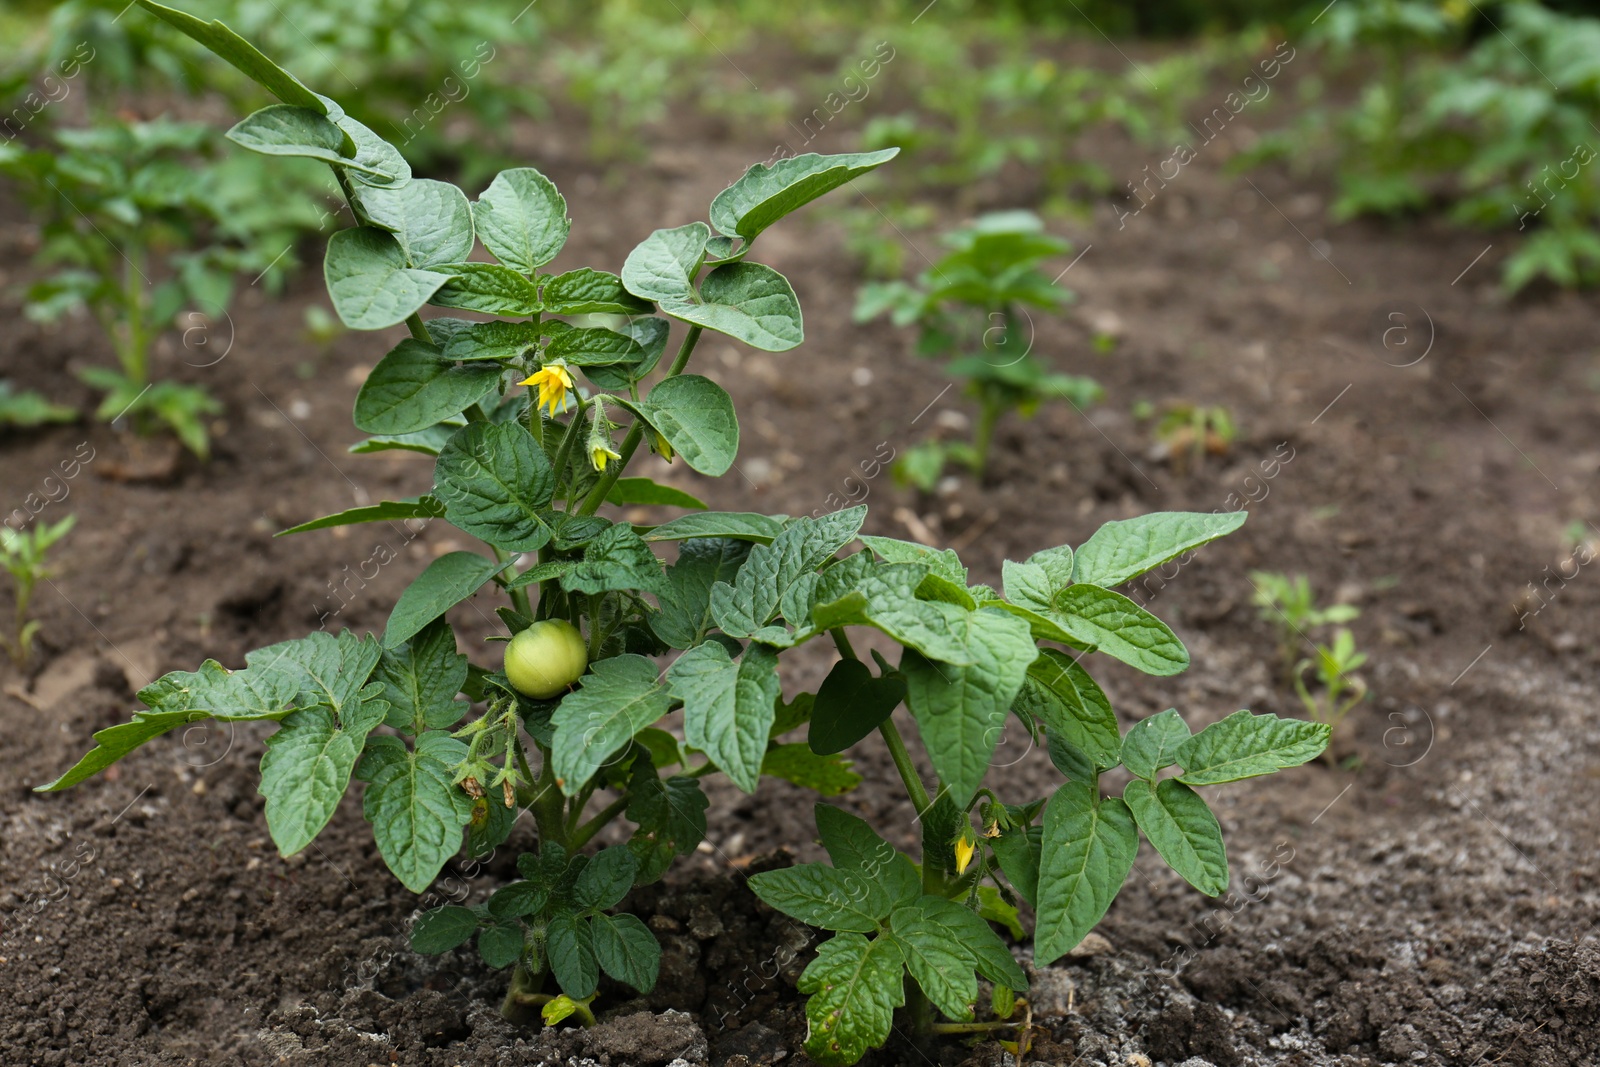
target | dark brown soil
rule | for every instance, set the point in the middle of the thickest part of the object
(1435, 906)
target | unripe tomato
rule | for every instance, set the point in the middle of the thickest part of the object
(544, 659)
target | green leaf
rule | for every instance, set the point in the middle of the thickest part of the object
(627, 950)
(828, 776)
(522, 219)
(421, 678)
(775, 571)
(304, 774)
(936, 958)
(423, 507)
(664, 264)
(941, 561)
(961, 711)
(377, 161)
(114, 742)
(591, 346)
(1111, 623)
(671, 815)
(1181, 827)
(432, 220)
(695, 415)
(616, 560)
(1126, 548)
(442, 929)
(850, 704)
(414, 387)
(643, 491)
(765, 194)
(617, 699)
(1245, 745)
(286, 130)
(487, 287)
(1018, 851)
(992, 907)
(369, 282)
(495, 482)
(1061, 696)
(446, 582)
(685, 600)
(606, 879)
(1089, 847)
(513, 901)
(853, 845)
(854, 986)
(748, 301)
(830, 897)
(1153, 743)
(500, 944)
(990, 955)
(590, 292)
(572, 960)
(244, 56)
(492, 340)
(428, 441)
(417, 815)
(738, 525)
(728, 706)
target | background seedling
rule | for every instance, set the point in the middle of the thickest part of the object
(972, 305)
(1333, 667)
(22, 553)
(1191, 432)
(1287, 603)
(137, 233)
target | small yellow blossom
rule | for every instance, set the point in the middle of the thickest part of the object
(965, 847)
(993, 829)
(554, 381)
(599, 454)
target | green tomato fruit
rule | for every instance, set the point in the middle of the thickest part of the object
(546, 658)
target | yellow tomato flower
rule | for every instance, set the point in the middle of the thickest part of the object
(965, 847)
(600, 454)
(663, 449)
(553, 381)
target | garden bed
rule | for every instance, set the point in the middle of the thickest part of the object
(1434, 906)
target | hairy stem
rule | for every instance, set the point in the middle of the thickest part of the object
(630, 443)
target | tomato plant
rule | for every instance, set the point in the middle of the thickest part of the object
(527, 471)
(973, 305)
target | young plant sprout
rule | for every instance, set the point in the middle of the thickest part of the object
(972, 305)
(517, 411)
(1287, 603)
(1190, 432)
(22, 554)
(1333, 666)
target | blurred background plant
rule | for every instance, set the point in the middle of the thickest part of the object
(22, 554)
(1290, 607)
(136, 229)
(1484, 113)
(971, 306)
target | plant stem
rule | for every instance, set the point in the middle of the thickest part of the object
(908, 770)
(596, 634)
(989, 412)
(891, 737)
(630, 443)
(585, 832)
(418, 330)
(546, 804)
